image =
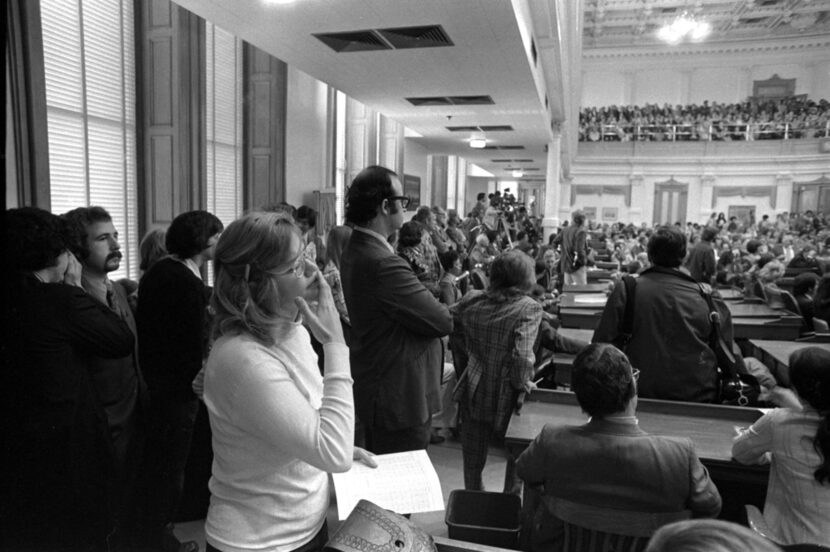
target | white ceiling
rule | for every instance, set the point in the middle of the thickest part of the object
(488, 55)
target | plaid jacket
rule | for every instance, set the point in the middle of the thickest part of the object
(499, 338)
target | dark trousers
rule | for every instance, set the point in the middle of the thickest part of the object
(386, 441)
(170, 430)
(476, 438)
(314, 545)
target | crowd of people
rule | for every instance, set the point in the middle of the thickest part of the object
(753, 119)
(388, 335)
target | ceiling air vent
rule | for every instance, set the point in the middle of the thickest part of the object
(429, 100)
(451, 100)
(355, 41)
(471, 100)
(504, 147)
(482, 128)
(753, 20)
(430, 36)
(501, 160)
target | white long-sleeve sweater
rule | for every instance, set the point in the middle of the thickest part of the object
(278, 429)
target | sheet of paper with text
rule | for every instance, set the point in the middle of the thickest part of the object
(404, 482)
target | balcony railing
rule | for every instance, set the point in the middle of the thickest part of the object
(698, 132)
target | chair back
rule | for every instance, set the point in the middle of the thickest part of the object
(479, 279)
(759, 290)
(596, 529)
(790, 303)
(820, 326)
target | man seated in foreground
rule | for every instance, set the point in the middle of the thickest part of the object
(610, 464)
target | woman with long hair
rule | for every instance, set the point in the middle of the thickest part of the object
(279, 427)
(499, 328)
(796, 443)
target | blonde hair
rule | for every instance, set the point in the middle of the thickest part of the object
(771, 272)
(245, 293)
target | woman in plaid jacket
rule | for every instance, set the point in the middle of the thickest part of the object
(499, 326)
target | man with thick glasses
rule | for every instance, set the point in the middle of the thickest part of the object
(396, 352)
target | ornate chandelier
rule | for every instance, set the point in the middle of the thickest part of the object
(684, 27)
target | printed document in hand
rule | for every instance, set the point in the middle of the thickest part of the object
(404, 482)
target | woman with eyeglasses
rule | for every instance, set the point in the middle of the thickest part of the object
(279, 427)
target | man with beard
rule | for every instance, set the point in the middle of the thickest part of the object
(117, 381)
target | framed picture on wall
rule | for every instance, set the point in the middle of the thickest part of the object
(412, 189)
(610, 214)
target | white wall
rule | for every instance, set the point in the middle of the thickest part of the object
(704, 167)
(305, 138)
(416, 163)
(721, 76)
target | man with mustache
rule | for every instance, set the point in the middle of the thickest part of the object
(118, 382)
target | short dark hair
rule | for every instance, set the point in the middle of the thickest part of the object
(667, 247)
(480, 196)
(521, 235)
(578, 217)
(708, 234)
(34, 239)
(752, 246)
(368, 190)
(804, 282)
(190, 232)
(410, 233)
(448, 258)
(307, 214)
(79, 220)
(602, 380)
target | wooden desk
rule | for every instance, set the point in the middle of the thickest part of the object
(710, 427)
(598, 275)
(589, 301)
(731, 294)
(776, 355)
(781, 328)
(563, 362)
(755, 310)
(587, 288)
(586, 319)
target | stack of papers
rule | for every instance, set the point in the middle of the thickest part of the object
(404, 482)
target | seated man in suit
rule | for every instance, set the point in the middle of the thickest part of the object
(610, 463)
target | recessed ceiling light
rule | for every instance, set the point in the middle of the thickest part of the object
(518, 174)
(478, 143)
(279, 2)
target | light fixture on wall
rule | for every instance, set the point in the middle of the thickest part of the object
(684, 27)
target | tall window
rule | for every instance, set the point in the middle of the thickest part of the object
(340, 155)
(89, 60)
(224, 124)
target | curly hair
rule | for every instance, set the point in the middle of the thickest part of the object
(810, 376)
(34, 239)
(79, 220)
(190, 232)
(367, 192)
(245, 292)
(602, 380)
(411, 233)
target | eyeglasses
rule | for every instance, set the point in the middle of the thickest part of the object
(403, 199)
(298, 268)
(635, 374)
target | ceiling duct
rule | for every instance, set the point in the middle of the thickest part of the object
(354, 41)
(450, 100)
(430, 36)
(482, 128)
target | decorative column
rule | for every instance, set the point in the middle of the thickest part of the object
(706, 200)
(553, 189)
(784, 190)
(635, 182)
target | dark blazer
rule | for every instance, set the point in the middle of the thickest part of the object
(617, 466)
(396, 354)
(57, 476)
(670, 341)
(173, 328)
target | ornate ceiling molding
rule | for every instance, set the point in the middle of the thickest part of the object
(818, 43)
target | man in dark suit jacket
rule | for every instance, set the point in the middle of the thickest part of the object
(701, 259)
(396, 352)
(610, 464)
